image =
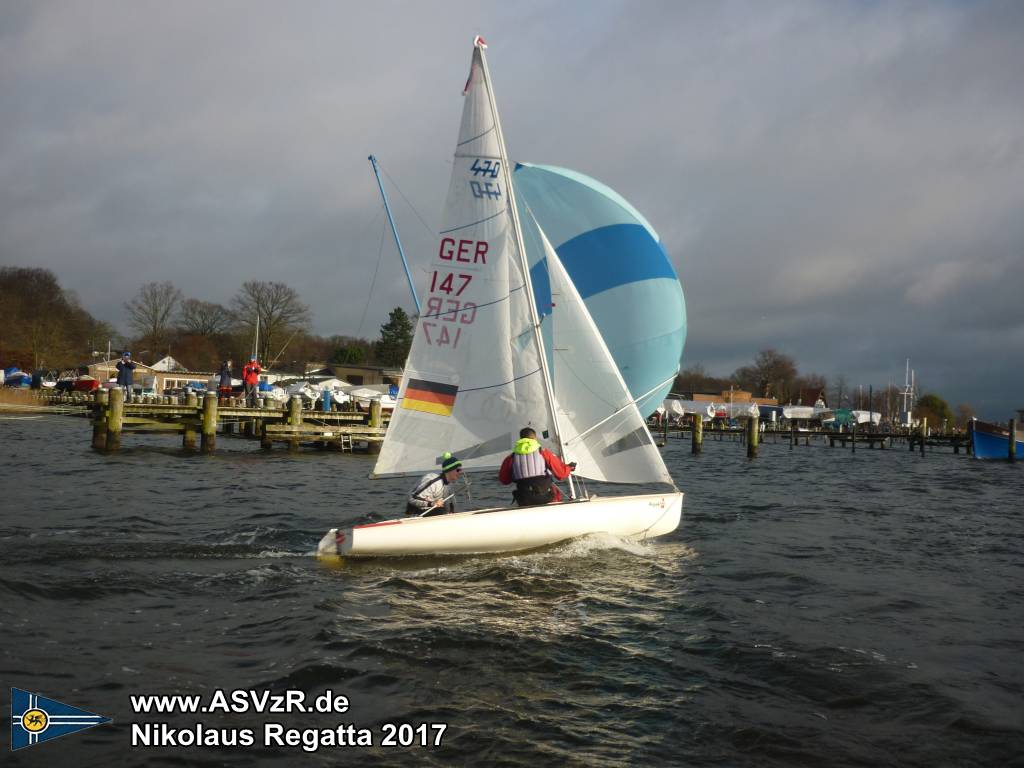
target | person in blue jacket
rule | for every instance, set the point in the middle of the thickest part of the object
(125, 366)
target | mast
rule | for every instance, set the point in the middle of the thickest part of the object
(523, 260)
(394, 232)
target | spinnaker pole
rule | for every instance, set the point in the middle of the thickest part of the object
(394, 231)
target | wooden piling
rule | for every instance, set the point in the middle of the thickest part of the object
(294, 419)
(99, 420)
(115, 418)
(208, 437)
(188, 432)
(924, 434)
(792, 434)
(375, 413)
(753, 424)
(853, 432)
(697, 435)
(295, 410)
(1011, 451)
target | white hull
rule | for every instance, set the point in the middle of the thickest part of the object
(509, 529)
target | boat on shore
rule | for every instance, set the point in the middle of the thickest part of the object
(991, 441)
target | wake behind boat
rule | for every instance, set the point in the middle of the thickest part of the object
(490, 356)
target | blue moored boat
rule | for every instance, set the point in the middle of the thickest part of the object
(990, 441)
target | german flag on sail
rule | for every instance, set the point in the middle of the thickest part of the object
(430, 397)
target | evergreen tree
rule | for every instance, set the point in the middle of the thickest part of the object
(395, 338)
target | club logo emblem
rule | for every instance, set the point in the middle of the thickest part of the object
(35, 719)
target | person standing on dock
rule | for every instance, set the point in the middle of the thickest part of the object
(251, 379)
(432, 496)
(224, 386)
(532, 468)
(125, 366)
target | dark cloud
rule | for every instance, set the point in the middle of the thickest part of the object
(841, 181)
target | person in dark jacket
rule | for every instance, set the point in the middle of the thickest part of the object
(533, 469)
(125, 366)
(224, 385)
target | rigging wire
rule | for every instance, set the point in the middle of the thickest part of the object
(369, 295)
(430, 231)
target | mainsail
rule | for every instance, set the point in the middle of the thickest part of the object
(474, 375)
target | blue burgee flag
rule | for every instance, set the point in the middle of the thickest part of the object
(35, 718)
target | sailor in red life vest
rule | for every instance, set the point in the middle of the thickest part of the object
(532, 468)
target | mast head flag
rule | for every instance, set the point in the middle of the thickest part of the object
(478, 42)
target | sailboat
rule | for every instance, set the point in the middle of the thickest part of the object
(485, 361)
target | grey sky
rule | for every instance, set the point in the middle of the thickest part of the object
(841, 181)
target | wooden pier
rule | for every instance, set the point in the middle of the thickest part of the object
(750, 435)
(202, 420)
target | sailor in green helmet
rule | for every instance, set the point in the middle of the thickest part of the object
(433, 494)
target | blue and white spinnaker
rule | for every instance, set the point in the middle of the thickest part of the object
(619, 266)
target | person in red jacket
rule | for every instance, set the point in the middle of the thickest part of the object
(251, 379)
(533, 468)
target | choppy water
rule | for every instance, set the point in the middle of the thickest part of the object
(815, 608)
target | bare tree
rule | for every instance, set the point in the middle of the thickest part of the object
(280, 311)
(151, 312)
(841, 392)
(43, 324)
(964, 413)
(806, 388)
(696, 379)
(771, 375)
(203, 318)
